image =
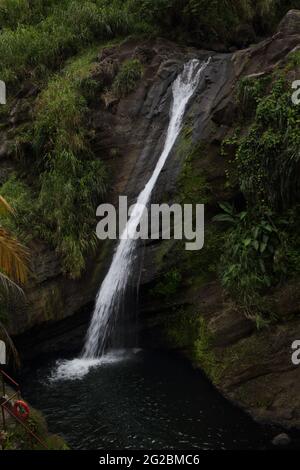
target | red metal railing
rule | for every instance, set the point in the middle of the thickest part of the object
(6, 407)
(9, 379)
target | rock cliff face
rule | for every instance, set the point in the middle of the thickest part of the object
(128, 135)
(121, 129)
(251, 368)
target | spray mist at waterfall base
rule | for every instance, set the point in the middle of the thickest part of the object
(77, 368)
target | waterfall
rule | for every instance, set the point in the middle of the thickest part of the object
(112, 291)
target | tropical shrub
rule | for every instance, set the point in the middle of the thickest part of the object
(267, 158)
(252, 250)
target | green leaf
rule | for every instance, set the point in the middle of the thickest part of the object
(269, 228)
(263, 247)
(228, 208)
(256, 232)
(224, 218)
(262, 265)
(266, 239)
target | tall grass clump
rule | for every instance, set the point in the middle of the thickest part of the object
(16, 12)
(34, 49)
(73, 180)
(128, 76)
(57, 199)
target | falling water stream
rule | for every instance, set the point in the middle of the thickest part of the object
(112, 292)
(114, 285)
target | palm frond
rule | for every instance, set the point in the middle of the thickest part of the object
(13, 257)
(5, 207)
(7, 286)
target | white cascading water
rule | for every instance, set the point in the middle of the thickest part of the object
(114, 286)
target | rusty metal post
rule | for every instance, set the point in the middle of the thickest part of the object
(3, 385)
(2, 409)
(3, 418)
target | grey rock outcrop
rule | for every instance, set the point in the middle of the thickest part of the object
(290, 23)
(282, 440)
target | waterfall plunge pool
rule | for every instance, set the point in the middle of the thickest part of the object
(139, 400)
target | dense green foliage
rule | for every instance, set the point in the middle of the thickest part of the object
(66, 182)
(72, 179)
(268, 158)
(262, 247)
(19, 195)
(199, 20)
(251, 259)
(38, 35)
(69, 26)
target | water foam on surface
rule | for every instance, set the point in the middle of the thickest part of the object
(78, 368)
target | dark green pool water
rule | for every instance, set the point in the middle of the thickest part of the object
(144, 400)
